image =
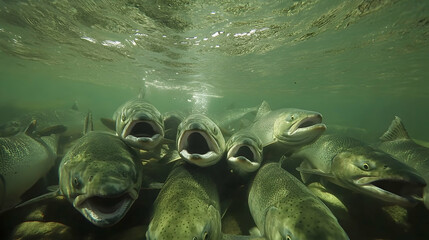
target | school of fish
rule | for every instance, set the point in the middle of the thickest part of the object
(298, 181)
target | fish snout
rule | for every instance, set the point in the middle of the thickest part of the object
(196, 126)
(111, 184)
(142, 117)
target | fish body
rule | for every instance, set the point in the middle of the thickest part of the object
(244, 152)
(283, 208)
(101, 176)
(235, 119)
(71, 118)
(287, 129)
(140, 124)
(397, 143)
(24, 159)
(200, 141)
(187, 207)
(354, 165)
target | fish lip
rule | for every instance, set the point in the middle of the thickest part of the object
(85, 204)
(370, 185)
(308, 123)
(242, 162)
(143, 140)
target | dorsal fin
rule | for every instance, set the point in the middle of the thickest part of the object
(31, 127)
(75, 106)
(88, 126)
(142, 92)
(395, 131)
(263, 109)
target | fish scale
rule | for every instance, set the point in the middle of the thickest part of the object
(186, 207)
(282, 206)
(24, 160)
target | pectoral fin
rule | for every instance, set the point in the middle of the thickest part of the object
(307, 171)
(45, 196)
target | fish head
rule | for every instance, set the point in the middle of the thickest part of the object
(244, 152)
(306, 220)
(172, 121)
(140, 124)
(101, 190)
(379, 175)
(10, 128)
(171, 226)
(200, 141)
(296, 127)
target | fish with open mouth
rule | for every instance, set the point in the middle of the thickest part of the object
(139, 123)
(397, 143)
(244, 152)
(284, 130)
(356, 166)
(100, 175)
(200, 141)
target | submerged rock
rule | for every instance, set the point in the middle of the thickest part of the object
(42, 230)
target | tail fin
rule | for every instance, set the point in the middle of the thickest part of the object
(395, 131)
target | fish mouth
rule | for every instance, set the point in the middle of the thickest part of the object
(199, 148)
(306, 124)
(244, 158)
(143, 134)
(304, 131)
(105, 210)
(397, 191)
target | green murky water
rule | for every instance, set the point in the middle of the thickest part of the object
(359, 63)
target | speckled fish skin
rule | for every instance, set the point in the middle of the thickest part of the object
(288, 128)
(354, 165)
(195, 129)
(187, 207)
(244, 152)
(100, 166)
(283, 208)
(24, 159)
(397, 143)
(139, 111)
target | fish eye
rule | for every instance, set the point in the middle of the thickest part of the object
(123, 117)
(290, 118)
(215, 130)
(365, 166)
(76, 183)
